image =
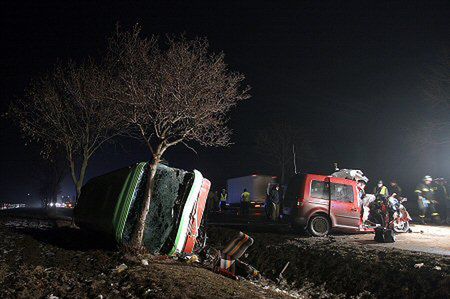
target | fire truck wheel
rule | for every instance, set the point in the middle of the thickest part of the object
(319, 226)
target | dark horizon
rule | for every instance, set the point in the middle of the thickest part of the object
(351, 74)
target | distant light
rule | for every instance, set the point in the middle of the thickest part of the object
(254, 174)
(28, 194)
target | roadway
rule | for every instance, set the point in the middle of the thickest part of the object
(423, 238)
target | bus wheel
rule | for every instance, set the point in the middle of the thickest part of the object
(319, 226)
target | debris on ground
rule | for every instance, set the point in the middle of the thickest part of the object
(231, 253)
(342, 267)
(275, 266)
(193, 259)
(80, 267)
(280, 277)
(121, 268)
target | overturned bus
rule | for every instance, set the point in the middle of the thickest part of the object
(110, 205)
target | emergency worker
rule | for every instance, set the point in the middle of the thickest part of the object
(443, 198)
(395, 188)
(381, 190)
(245, 202)
(426, 199)
(223, 200)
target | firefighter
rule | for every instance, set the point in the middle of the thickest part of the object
(443, 198)
(426, 199)
(245, 202)
(223, 200)
(381, 190)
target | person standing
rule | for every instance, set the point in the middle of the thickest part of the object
(426, 199)
(245, 202)
(274, 201)
(443, 198)
(223, 200)
(381, 190)
(395, 188)
(361, 186)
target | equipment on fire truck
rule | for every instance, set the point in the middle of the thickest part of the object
(350, 174)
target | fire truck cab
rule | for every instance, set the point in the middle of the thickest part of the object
(319, 204)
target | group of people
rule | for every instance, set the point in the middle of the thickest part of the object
(432, 197)
(272, 205)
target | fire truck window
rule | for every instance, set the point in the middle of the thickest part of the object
(319, 190)
(342, 192)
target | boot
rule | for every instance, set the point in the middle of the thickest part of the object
(436, 218)
(422, 220)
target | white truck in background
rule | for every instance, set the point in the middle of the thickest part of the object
(257, 185)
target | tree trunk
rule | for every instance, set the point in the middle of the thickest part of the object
(78, 181)
(82, 175)
(78, 186)
(138, 232)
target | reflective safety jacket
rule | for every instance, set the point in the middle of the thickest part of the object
(383, 191)
(245, 197)
(223, 196)
(424, 190)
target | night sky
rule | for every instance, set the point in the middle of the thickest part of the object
(350, 73)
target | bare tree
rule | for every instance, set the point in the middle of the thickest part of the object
(173, 95)
(71, 109)
(280, 143)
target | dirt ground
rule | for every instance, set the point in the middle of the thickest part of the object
(352, 265)
(44, 258)
(38, 260)
(424, 238)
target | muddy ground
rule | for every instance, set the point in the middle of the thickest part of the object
(341, 266)
(42, 258)
(38, 260)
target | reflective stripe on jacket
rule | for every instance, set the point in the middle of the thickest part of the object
(223, 197)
